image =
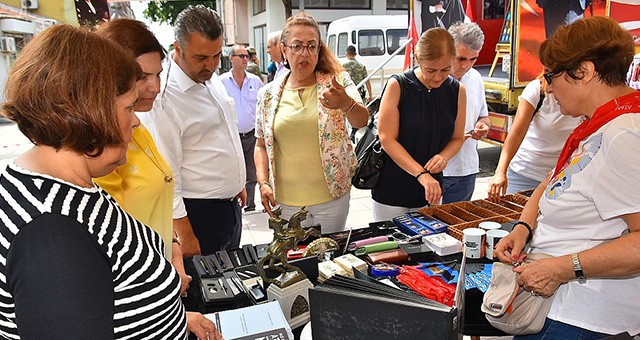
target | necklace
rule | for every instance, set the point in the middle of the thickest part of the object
(153, 159)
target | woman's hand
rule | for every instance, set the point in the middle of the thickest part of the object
(540, 277)
(267, 197)
(432, 191)
(436, 164)
(509, 249)
(497, 187)
(336, 97)
(202, 327)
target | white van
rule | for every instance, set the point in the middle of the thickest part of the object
(375, 38)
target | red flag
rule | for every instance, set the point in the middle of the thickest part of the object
(412, 35)
(468, 11)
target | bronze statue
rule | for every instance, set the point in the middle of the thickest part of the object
(285, 238)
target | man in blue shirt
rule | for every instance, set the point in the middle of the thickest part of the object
(243, 87)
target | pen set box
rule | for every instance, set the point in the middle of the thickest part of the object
(414, 223)
(224, 260)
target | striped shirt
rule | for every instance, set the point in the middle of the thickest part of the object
(73, 264)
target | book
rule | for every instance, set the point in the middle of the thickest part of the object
(264, 321)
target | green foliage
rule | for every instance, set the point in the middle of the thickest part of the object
(167, 11)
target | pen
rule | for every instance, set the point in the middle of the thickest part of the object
(235, 255)
(224, 289)
(213, 265)
(204, 267)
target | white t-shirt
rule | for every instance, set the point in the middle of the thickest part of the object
(466, 162)
(547, 133)
(582, 209)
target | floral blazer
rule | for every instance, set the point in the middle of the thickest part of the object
(337, 155)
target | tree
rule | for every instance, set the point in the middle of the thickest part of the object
(167, 11)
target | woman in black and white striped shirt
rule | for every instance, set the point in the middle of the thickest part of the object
(73, 264)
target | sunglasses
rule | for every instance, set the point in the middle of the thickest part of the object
(242, 56)
(549, 76)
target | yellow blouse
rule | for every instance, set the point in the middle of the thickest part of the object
(299, 174)
(143, 186)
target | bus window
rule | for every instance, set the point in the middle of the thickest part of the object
(353, 38)
(343, 42)
(370, 42)
(331, 42)
(395, 39)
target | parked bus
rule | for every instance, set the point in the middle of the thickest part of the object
(375, 38)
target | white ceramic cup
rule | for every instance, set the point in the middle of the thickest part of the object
(473, 239)
(493, 237)
(489, 225)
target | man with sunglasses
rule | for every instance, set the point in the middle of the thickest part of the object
(243, 87)
(195, 129)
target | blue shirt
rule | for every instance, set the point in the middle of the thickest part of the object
(245, 98)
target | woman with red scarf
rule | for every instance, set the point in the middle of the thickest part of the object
(586, 214)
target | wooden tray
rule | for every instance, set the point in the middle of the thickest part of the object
(456, 230)
(475, 209)
(437, 213)
(517, 199)
(493, 207)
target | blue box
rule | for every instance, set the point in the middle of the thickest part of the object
(432, 224)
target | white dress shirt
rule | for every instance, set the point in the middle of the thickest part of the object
(245, 98)
(466, 161)
(195, 127)
(280, 70)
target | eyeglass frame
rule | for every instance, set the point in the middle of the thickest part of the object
(303, 47)
(553, 74)
(241, 56)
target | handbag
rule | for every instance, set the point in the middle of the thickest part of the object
(511, 309)
(371, 157)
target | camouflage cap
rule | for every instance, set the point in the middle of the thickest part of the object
(251, 50)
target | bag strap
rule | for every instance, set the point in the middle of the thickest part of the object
(401, 78)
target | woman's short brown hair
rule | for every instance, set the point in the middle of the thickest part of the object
(62, 89)
(327, 62)
(435, 43)
(132, 34)
(599, 40)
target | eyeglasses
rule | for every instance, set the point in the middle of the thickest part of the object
(299, 48)
(549, 76)
(242, 56)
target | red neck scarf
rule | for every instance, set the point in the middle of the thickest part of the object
(629, 103)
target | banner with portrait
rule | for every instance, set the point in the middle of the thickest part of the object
(92, 12)
(535, 21)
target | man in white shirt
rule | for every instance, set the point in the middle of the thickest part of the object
(460, 173)
(195, 127)
(243, 87)
(273, 48)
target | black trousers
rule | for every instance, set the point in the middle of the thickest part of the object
(216, 223)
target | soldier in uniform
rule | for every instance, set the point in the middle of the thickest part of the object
(358, 72)
(254, 63)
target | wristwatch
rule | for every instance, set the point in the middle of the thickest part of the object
(577, 268)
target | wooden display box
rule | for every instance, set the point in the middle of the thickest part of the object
(462, 215)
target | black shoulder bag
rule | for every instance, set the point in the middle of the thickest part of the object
(371, 156)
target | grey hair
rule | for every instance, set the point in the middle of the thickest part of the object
(468, 34)
(275, 37)
(197, 19)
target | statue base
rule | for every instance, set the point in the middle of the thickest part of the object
(294, 301)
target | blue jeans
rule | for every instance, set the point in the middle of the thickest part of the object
(458, 188)
(556, 330)
(517, 182)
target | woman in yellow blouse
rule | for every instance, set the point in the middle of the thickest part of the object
(303, 147)
(144, 185)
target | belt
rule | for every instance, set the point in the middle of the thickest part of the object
(212, 200)
(247, 134)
